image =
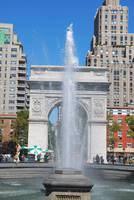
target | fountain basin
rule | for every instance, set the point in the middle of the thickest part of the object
(68, 184)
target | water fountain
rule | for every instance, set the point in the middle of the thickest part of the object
(69, 106)
(70, 156)
(69, 182)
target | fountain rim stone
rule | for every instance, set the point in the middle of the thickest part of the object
(67, 180)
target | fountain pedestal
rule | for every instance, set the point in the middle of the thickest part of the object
(67, 185)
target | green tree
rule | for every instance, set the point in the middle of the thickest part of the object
(113, 127)
(1, 127)
(130, 122)
(20, 127)
(51, 136)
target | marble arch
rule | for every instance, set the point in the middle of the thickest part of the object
(46, 92)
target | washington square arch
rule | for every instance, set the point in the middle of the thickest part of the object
(46, 93)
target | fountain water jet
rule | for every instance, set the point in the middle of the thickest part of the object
(69, 129)
(69, 183)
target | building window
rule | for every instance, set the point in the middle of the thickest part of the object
(124, 84)
(131, 101)
(106, 16)
(113, 17)
(13, 55)
(101, 56)
(106, 27)
(120, 134)
(120, 145)
(12, 89)
(121, 17)
(130, 51)
(129, 145)
(129, 133)
(124, 74)
(130, 57)
(13, 68)
(121, 28)
(95, 61)
(12, 75)
(131, 84)
(14, 49)
(116, 72)
(13, 62)
(114, 22)
(11, 101)
(119, 121)
(121, 39)
(11, 107)
(12, 82)
(113, 28)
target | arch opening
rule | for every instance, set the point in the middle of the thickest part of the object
(55, 130)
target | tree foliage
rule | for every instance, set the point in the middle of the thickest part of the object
(21, 128)
(113, 127)
(1, 127)
(130, 122)
(51, 136)
(130, 134)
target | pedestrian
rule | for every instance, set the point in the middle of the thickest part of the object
(38, 157)
(124, 160)
(112, 159)
(1, 158)
(102, 160)
(97, 159)
(16, 158)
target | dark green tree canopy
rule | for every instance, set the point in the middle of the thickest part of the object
(21, 127)
(130, 122)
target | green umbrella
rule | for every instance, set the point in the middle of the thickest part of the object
(24, 147)
(35, 150)
(45, 150)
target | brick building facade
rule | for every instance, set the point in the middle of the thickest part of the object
(123, 142)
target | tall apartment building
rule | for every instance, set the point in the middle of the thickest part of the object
(13, 86)
(113, 47)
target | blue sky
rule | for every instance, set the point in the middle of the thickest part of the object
(41, 26)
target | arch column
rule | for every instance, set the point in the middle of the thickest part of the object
(97, 129)
(38, 121)
(96, 140)
(38, 133)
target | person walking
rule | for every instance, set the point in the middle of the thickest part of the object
(97, 159)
